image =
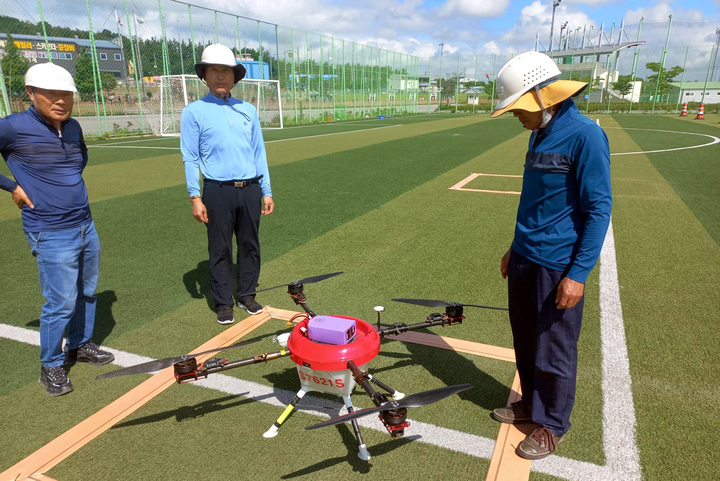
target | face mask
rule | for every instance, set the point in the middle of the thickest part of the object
(546, 113)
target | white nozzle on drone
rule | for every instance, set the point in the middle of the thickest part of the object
(282, 339)
(398, 396)
(379, 309)
(364, 454)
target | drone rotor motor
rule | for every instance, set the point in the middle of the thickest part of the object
(395, 421)
(186, 370)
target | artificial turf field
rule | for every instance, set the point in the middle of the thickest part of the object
(372, 199)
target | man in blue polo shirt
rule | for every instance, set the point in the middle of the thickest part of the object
(562, 219)
(220, 138)
(45, 151)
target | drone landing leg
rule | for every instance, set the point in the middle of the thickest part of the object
(363, 453)
(272, 432)
(396, 395)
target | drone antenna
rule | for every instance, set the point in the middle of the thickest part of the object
(379, 309)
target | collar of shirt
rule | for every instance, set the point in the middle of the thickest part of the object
(42, 119)
(558, 119)
(221, 101)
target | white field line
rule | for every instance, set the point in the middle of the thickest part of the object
(334, 133)
(119, 146)
(154, 139)
(714, 141)
(619, 423)
(116, 146)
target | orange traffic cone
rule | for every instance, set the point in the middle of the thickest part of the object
(701, 112)
(684, 110)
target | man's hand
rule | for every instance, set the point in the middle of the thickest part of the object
(20, 197)
(504, 263)
(569, 293)
(198, 210)
(269, 205)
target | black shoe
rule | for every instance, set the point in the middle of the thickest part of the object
(90, 353)
(55, 380)
(250, 305)
(225, 315)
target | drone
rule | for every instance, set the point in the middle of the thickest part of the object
(331, 356)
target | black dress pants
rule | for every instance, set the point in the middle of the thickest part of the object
(233, 210)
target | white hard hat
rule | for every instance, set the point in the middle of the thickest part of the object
(218, 54)
(520, 74)
(50, 77)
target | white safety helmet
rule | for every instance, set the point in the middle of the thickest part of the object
(49, 76)
(218, 54)
(529, 81)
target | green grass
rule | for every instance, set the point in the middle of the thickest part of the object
(376, 204)
(693, 174)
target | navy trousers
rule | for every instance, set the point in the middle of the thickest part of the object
(233, 210)
(545, 340)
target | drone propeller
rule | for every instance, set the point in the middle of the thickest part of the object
(307, 280)
(158, 364)
(439, 304)
(412, 401)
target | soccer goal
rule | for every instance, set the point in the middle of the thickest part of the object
(162, 111)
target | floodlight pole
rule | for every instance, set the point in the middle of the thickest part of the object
(552, 23)
(717, 47)
(662, 65)
(182, 62)
(440, 76)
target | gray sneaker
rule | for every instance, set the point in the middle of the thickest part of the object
(90, 353)
(516, 413)
(250, 305)
(55, 380)
(225, 315)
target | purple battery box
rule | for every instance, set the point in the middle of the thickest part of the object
(331, 330)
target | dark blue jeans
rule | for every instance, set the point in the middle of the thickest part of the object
(68, 263)
(545, 341)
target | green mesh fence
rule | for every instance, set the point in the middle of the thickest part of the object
(125, 56)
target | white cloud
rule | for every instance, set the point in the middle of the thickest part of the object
(535, 19)
(475, 8)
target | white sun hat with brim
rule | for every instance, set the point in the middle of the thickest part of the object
(218, 54)
(528, 77)
(49, 76)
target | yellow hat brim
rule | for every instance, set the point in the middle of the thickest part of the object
(551, 94)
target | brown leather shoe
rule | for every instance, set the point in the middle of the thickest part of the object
(516, 413)
(539, 444)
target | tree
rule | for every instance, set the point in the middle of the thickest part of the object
(109, 82)
(449, 86)
(84, 79)
(14, 67)
(661, 83)
(624, 84)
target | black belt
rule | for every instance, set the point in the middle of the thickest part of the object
(236, 183)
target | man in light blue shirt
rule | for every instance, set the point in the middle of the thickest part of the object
(221, 139)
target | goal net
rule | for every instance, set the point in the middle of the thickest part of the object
(162, 111)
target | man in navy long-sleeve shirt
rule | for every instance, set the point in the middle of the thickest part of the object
(220, 138)
(562, 219)
(46, 153)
